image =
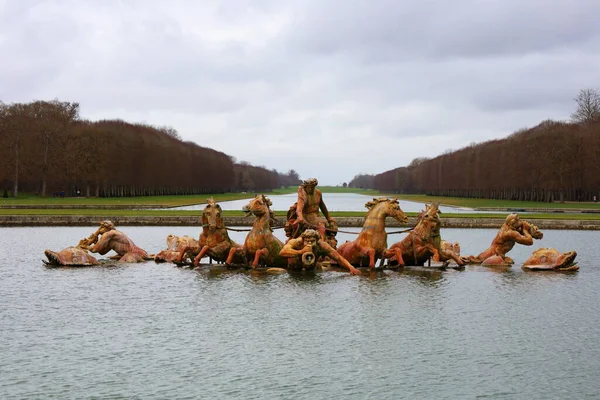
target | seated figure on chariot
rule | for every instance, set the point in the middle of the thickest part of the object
(304, 214)
(304, 252)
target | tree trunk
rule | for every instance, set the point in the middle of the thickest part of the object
(16, 183)
(45, 164)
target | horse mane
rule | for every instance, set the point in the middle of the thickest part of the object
(429, 211)
(210, 202)
(270, 213)
(378, 200)
(432, 205)
(272, 219)
(268, 201)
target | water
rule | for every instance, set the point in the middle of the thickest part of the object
(333, 201)
(154, 331)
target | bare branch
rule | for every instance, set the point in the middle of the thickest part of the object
(588, 106)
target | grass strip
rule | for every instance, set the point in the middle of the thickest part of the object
(280, 214)
(185, 200)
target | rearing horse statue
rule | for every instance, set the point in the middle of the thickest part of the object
(261, 246)
(371, 243)
(423, 242)
(214, 240)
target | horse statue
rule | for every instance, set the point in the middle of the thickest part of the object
(371, 242)
(214, 240)
(173, 251)
(261, 246)
(423, 242)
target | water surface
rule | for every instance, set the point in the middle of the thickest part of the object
(333, 201)
(154, 331)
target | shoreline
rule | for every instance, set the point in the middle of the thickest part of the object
(541, 210)
(86, 220)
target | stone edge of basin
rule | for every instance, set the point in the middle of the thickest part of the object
(80, 220)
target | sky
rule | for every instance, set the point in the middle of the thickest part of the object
(330, 89)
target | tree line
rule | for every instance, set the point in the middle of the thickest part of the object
(554, 161)
(46, 148)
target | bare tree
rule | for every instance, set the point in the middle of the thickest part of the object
(53, 119)
(170, 131)
(14, 125)
(418, 161)
(588, 106)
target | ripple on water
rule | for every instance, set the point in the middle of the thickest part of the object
(157, 331)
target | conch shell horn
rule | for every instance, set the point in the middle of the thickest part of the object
(90, 240)
(308, 258)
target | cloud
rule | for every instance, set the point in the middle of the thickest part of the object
(328, 88)
(437, 29)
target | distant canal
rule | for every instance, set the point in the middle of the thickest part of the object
(333, 201)
(155, 331)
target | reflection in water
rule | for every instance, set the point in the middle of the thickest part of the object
(497, 269)
(549, 273)
(218, 271)
(425, 275)
(306, 277)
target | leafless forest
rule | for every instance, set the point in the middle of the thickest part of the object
(554, 161)
(46, 148)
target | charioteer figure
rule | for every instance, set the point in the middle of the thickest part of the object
(304, 214)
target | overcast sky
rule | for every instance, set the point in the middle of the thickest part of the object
(328, 88)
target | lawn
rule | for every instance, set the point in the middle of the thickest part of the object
(233, 213)
(157, 201)
(27, 199)
(177, 201)
(487, 203)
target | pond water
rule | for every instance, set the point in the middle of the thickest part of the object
(155, 331)
(334, 202)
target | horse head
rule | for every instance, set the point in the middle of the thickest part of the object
(429, 219)
(259, 206)
(387, 208)
(396, 212)
(211, 216)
